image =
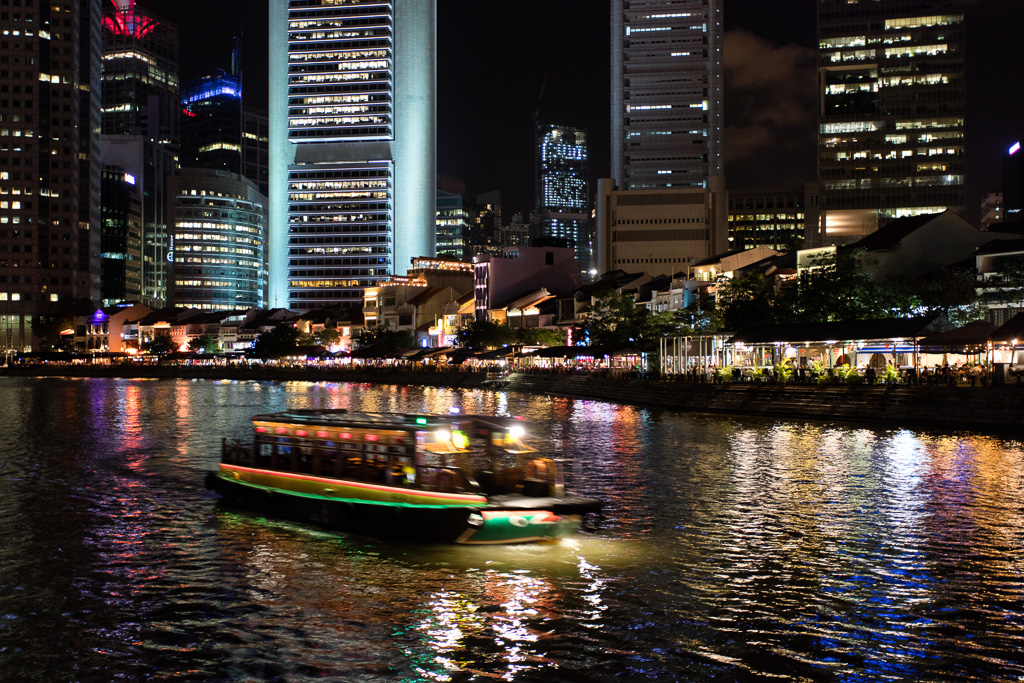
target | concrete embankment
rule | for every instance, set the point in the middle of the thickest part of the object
(999, 408)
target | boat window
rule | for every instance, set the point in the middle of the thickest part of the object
(302, 459)
(264, 455)
(328, 461)
(375, 463)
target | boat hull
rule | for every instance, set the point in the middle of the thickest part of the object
(467, 524)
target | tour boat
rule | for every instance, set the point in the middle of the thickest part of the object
(434, 478)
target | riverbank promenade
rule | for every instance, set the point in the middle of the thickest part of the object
(941, 406)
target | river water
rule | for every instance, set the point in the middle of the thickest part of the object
(732, 549)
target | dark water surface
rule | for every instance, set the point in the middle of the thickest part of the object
(732, 550)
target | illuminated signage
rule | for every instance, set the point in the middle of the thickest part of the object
(1015, 148)
(129, 178)
(126, 22)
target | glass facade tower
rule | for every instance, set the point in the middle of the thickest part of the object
(352, 119)
(563, 196)
(49, 169)
(140, 93)
(218, 229)
(211, 123)
(891, 115)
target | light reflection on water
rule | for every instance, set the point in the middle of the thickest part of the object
(731, 549)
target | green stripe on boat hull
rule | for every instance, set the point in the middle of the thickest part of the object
(469, 524)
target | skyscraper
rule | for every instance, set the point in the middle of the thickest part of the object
(218, 224)
(256, 147)
(563, 197)
(140, 123)
(121, 241)
(891, 115)
(352, 138)
(211, 123)
(49, 225)
(666, 93)
(666, 116)
(451, 226)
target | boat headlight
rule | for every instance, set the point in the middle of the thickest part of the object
(516, 431)
(442, 435)
(475, 519)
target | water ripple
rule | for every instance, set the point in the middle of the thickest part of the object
(731, 549)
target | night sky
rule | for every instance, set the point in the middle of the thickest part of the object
(496, 56)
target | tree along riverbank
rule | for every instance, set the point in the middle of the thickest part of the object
(997, 408)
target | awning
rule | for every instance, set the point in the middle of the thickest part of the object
(1012, 329)
(565, 352)
(847, 330)
(975, 334)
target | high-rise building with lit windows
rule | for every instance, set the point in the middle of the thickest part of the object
(666, 128)
(218, 234)
(666, 93)
(140, 92)
(352, 140)
(211, 123)
(49, 169)
(256, 147)
(452, 222)
(891, 116)
(563, 196)
(121, 241)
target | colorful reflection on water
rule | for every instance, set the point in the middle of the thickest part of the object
(731, 549)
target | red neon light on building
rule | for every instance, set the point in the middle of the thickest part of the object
(126, 22)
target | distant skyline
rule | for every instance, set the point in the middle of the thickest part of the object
(494, 57)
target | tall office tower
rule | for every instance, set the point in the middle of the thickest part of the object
(48, 229)
(515, 234)
(218, 226)
(483, 234)
(211, 123)
(90, 121)
(256, 148)
(562, 195)
(667, 102)
(121, 242)
(891, 112)
(140, 122)
(452, 223)
(666, 93)
(779, 219)
(352, 139)
(992, 209)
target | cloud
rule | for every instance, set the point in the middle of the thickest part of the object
(770, 96)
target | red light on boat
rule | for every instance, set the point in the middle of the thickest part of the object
(300, 432)
(281, 430)
(371, 437)
(322, 435)
(261, 429)
(345, 435)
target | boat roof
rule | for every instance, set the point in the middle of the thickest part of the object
(342, 418)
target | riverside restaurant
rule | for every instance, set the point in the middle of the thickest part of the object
(904, 343)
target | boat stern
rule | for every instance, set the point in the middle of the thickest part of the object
(517, 526)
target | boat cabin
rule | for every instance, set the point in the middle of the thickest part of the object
(452, 454)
